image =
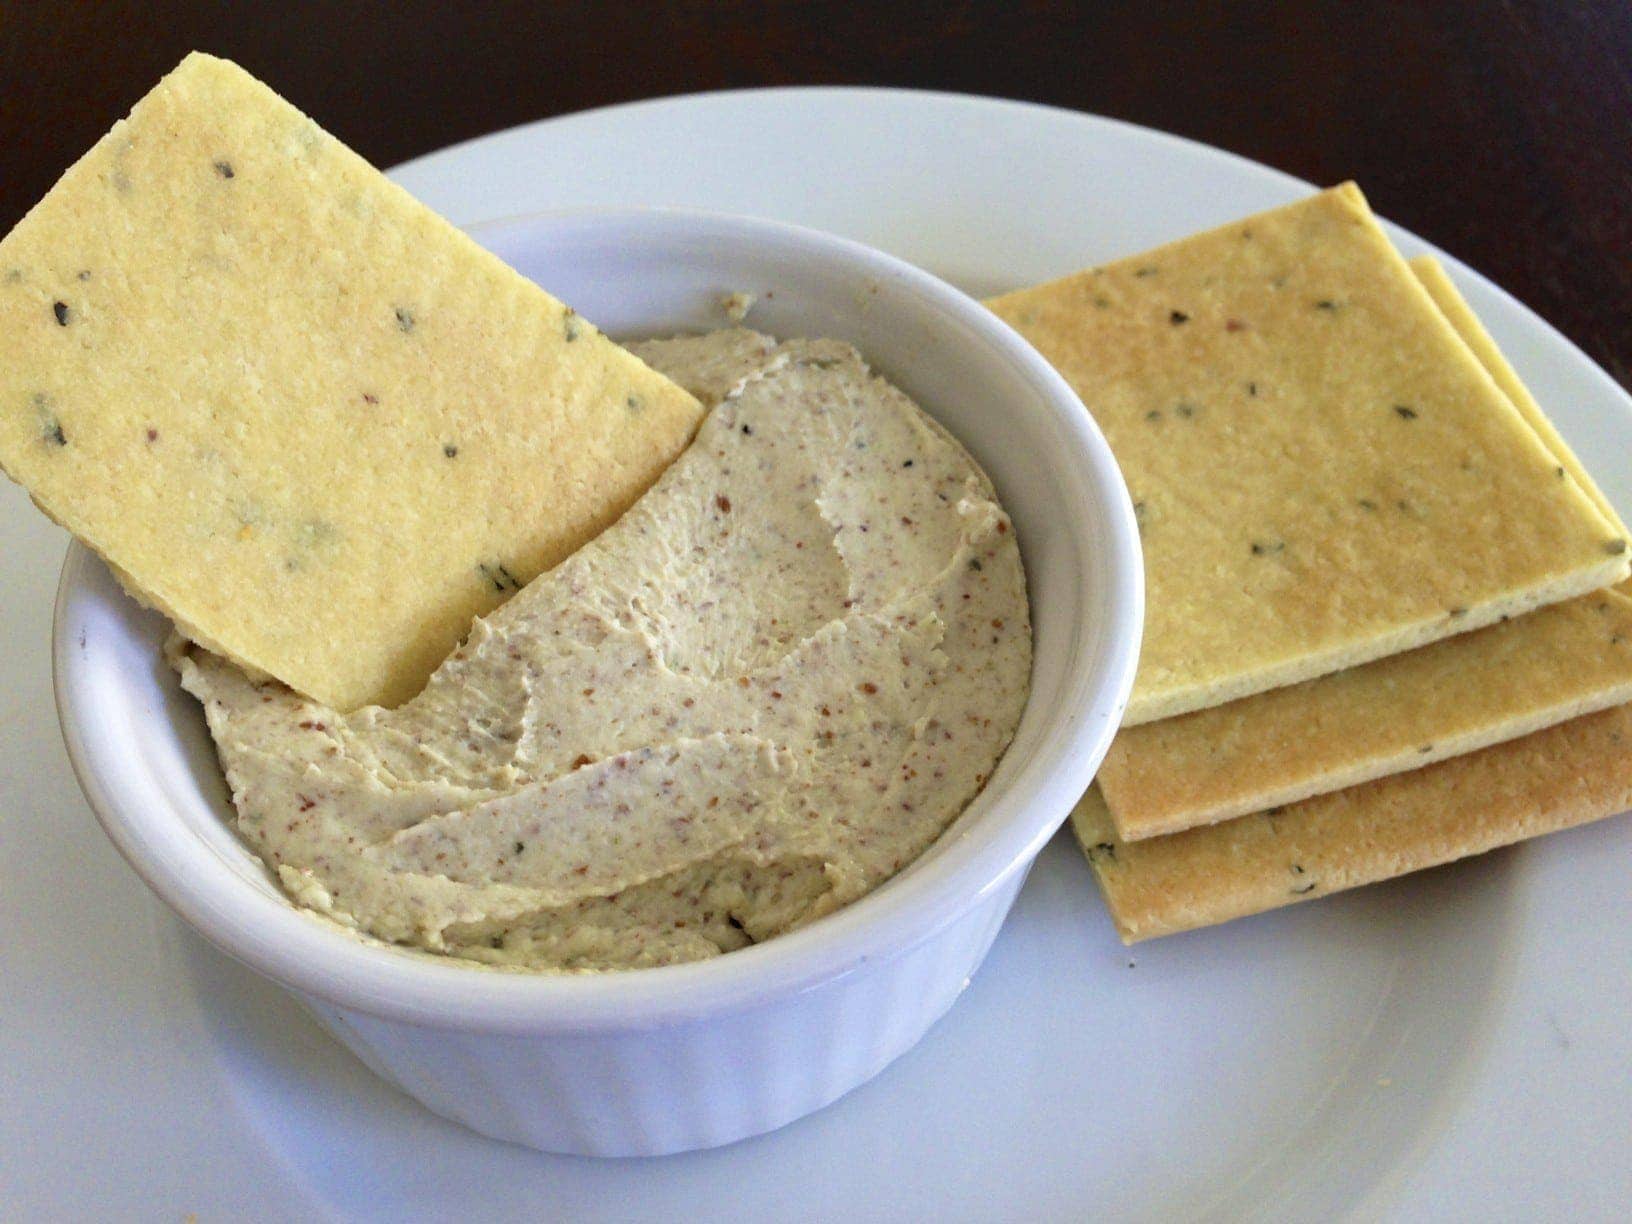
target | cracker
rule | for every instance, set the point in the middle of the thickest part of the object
(1456, 310)
(1393, 714)
(1324, 473)
(1565, 775)
(294, 409)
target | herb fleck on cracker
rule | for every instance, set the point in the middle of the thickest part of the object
(498, 576)
(50, 427)
(316, 534)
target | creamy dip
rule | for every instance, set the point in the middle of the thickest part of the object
(765, 690)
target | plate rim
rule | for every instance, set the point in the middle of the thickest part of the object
(526, 130)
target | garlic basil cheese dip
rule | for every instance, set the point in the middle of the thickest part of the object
(761, 693)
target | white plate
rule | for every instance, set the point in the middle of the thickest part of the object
(1454, 1044)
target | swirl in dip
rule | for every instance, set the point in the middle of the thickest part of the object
(765, 690)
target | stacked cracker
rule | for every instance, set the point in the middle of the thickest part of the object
(1380, 633)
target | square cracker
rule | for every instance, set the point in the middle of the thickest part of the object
(296, 411)
(1323, 471)
(1565, 775)
(1393, 714)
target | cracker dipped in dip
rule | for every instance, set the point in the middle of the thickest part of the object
(765, 690)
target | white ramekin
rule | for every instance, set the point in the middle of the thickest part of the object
(690, 1056)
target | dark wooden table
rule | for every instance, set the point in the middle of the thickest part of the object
(1501, 131)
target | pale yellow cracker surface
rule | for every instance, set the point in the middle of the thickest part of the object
(1565, 775)
(297, 411)
(1324, 473)
(1393, 714)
